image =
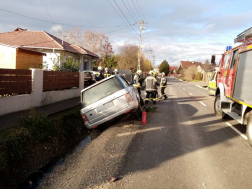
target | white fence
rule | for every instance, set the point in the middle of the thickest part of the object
(38, 97)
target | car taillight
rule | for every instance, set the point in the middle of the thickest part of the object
(84, 117)
(128, 97)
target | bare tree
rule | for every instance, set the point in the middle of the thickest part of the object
(128, 59)
(190, 73)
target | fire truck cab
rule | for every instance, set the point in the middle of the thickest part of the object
(233, 96)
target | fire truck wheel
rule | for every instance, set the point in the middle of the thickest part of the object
(249, 129)
(217, 108)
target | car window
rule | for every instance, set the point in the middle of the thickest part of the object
(234, 59)
(101, 91)
(124, 81)
(228, 60)
(224, 61)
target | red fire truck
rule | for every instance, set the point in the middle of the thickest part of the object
(233, 94)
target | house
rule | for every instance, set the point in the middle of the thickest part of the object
(56, 50)
(15, 57)
(173, 69)
(186, 64)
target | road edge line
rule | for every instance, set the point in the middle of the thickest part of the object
(202, 103)
(237, 131)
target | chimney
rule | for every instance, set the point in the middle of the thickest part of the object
(20, 29)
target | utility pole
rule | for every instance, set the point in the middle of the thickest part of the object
(151, 55)
(154, 61)
(140, 43)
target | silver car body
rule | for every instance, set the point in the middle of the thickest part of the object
(91, 72)
(111, 105)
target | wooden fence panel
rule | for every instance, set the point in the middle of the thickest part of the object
(60, 80)
(15, 82)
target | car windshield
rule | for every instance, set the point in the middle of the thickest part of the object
(101, 91)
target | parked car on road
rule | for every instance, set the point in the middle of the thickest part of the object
(108, 99)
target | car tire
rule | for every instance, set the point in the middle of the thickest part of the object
(217, 108)
(249, 128)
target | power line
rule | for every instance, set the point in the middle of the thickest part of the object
(58, 23)
(118, 14)
(103, 33)
(141, 10)
(129, 11)
(136, 9)
(47, 12)
(132, 10)
(116, 30)
(125, 17)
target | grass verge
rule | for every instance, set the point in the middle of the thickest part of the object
(35, 141)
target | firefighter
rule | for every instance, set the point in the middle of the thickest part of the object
(155, 74)
(163, 82)
(151, 88)
(99, 75)
(136, 81)
(116, 72)
(106, 74)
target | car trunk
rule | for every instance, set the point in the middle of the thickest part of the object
(109, 107)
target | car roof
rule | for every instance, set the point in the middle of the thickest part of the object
(97, 83)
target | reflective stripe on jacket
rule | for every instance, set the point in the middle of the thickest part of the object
(106, 75)
(150, 83)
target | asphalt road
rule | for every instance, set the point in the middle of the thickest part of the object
(185, 146)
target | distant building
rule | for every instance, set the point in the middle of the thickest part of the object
(173, 69)
(186, 64)
(53, 47)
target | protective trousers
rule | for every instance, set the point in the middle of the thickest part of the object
(153, 95)
(139, 91)
(163, 93)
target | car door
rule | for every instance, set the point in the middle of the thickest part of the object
(220, 76)
(232, 70)
(226, 78)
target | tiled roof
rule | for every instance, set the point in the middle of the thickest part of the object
(173, 68)
(83, 51)
(187, 64)
(39, 39)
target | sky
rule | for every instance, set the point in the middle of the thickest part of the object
(175, 30)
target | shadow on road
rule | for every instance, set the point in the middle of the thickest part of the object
(180, 133)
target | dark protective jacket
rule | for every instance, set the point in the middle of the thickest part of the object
(151, 84)
(99, 76)
(163, 82)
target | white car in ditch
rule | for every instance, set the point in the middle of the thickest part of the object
(108, 99)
